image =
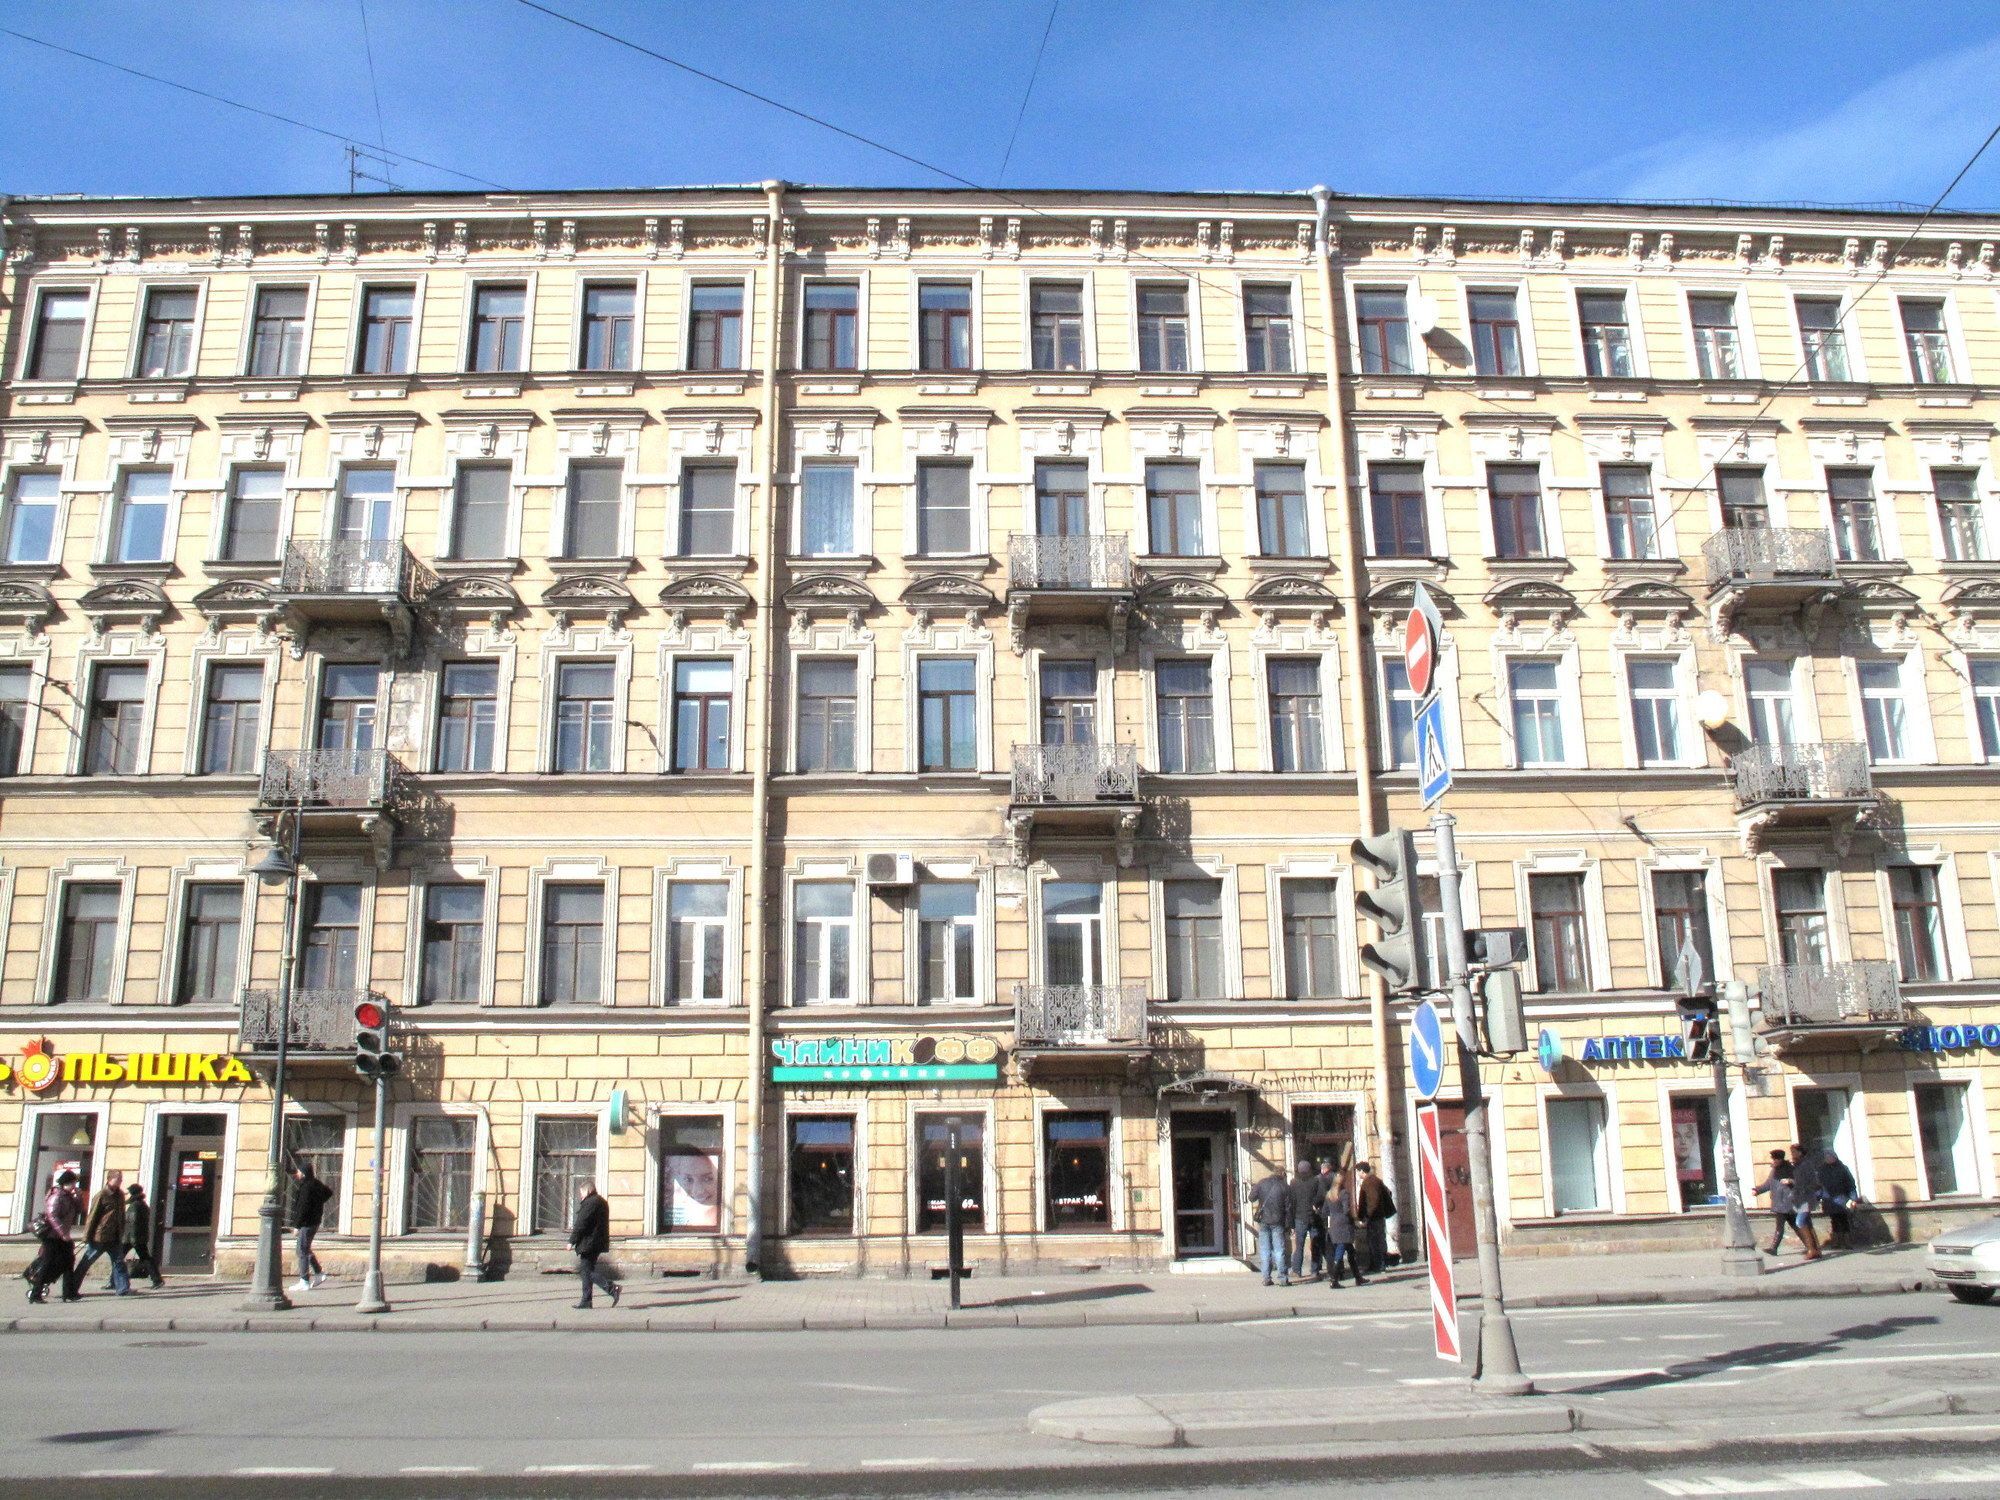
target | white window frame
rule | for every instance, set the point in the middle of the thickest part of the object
(594, 871)
(1710, 869)
(859, 279)
(861, 524)
(532, 1114)
(114, 508)
(1746, 341)
(725, 1220)
(351, 368)
(246, 339)
(966, 642)
(1920, 744)
(1194, 645)
(10, 474)
(33, 327)
(985, 990)
(26, 1204)
(401, 1139)
(680, 871)
(1611, 1164)
(1961, 663)
(1523, 316)
(61, 878)
(859, 966)
(140, 313)
(1860, 1159)
(605, 645)
(1347, 972)
(583, 285)
(1954, 338)
(1569, 703)
(461, 871)
(1411, 290)
(1204, 868)
(1642, 368)
(1596, 929)
(1977, 1127)
(1191, 286)
(1687, 731)
(1078, 872)
(1850, 331)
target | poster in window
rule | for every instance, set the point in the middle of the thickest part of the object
(691, 1176)
(1688, 1164)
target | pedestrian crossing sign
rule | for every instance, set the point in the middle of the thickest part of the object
(1433, 766)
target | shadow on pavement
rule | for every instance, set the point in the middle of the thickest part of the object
(1754, 1357)
(1079, 1294)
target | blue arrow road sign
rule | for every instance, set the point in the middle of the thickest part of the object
(1433, 765)
(1427, 1050)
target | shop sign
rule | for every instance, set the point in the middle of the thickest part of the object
(40, 1069)
(875, 1059)
(1949, 1038)
(1635, 1049)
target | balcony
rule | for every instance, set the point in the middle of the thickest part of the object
(350, 581)
(1087, 791)
(1080, 1027)
(1069, 580)
(1807, 789)
(338, 795)
(320, 1022)
(1770, 569)
(1838, 1004)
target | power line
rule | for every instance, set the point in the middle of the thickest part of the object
(374, 83)
(1028, 93)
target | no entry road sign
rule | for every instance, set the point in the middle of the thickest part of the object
(1419, 652)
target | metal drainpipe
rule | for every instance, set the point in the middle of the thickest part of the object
(1360, 707)
(763, 673)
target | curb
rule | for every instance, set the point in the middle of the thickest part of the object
(1142, 1422)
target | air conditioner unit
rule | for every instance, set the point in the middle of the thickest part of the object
(891, 870)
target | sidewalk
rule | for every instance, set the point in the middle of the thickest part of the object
(669, 1304)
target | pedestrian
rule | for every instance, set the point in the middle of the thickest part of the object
(309, 1198)
(55, 1227)
(1805, 1198)
(1340, 1232)
(139, 1235)
(1307, 1196)
(1838, 1193)
(1374, 1207)
(590, 1237)
(1319, 1225)
(104, 1235)
(1778, 1183)
(1272, 1200)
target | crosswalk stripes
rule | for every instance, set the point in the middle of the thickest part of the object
(1818, 1481)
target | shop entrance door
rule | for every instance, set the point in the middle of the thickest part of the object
(1457, 1179)
(1204, 1182)
(188, 1195)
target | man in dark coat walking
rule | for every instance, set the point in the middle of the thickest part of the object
(1374, 1206)
(139, 1235)
(590, 1237)
(309, 1200)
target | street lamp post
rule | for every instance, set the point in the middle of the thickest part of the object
(267, 1291)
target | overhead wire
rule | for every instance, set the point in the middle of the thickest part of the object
(1028, 93)
(374, 82)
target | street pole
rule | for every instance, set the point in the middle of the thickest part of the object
(1499, 1372)
(954, 1219)
(267, 1290)
(372, 1300)
(1739, 1250)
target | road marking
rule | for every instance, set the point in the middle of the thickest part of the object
(588, 1469)
(121, 1473)
(1722, 1362)
(1583, 1341)
(1719, 1485)
(849, 1385)
(745, 1466)
(1965, 1474)
(274, 1472)
(897, 1463)
(439, 1469)
(1834, 1479)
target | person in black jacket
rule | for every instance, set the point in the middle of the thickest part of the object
(1838, 1194)
(139, 1235)
(309, 1198)
(1308, 1194)
(590, 1237)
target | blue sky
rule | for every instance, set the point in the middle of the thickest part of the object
(1766, 100)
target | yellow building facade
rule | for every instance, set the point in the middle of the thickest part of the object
(756, 676)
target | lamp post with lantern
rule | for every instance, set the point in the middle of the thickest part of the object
(267, 1291)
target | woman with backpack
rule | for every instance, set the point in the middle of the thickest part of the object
(56, 1229)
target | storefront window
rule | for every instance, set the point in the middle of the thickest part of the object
(822, 1172)
(317, 1141)
(440, 1172)
(1945, 1129)
(1578, 1170)
(690, 1174)
(1693, 1117)
(1324, 1132)
(933, 1147)
(1076, 1168)
(63, 1143)
(565, 1159)
(1824, 1123)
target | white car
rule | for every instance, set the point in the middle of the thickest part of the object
(1967, 1261)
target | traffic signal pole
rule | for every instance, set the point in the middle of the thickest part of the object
(1499, 1363)
(372, 1300)
(1739, 1247)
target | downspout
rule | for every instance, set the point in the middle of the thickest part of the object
(763, 673)
(1360, 663)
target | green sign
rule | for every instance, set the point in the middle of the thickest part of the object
(880, 1059)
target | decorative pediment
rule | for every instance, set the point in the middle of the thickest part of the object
(949, 593)
(26, 604)
(1974, 599)
(1398, 596)
(588, 594)
(706, 593)
(133, 599)
(829, 593)
(1292, 591)
(236, 599)
(1181, 591)
(1643, 599)
(1531, 596)
(472, 594)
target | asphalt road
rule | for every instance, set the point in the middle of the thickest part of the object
(943, 1412)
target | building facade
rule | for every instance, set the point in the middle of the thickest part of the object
(755, 676)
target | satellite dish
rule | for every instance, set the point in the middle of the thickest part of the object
(1424, 315)
(1712, 709)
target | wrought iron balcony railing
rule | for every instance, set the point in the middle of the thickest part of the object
(329, 779)
(352, 567)
(316, 1020)
(1079, 1015)
(1788, 554)
(1060, 774)
(1831, 994)
(1070, 562)
(1833, 772)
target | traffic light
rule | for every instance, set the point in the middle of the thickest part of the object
(1496, 947)
(1698, 1035)
(1745, 1046)
(372, 1057)
(1397, 953)
(1500, 1003)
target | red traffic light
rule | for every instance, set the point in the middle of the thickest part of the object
(370, 1015)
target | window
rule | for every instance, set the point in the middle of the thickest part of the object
(32, 504)
(1985, 697)
(708, 510)
(1055, 318)
(1297, 740)
(826, 522)
(1826, 1121)
(278, 331)
(944, 509)
(1884, 711)
(715, 326)
(57, 353)
(572, 944)
(16, 688)
(595, 511)
(1607, 338)
(88, 942)
(387, 316)
(1718, 354)
(1656, 709)
(947, 942)
(697, 938)
(933, 1149)
(1072, 933)
(166, 340)
(1929, 345)
(702, 694)
(348, 695)
(584, 715)
(230, 723)
(1579, 1174)
(1944, 1130)
(609, 312)
(64, 1142)
(1913, 893)
(1312, 940)
(1062, 499)
(330, 951)
(1856, 529)
(1961, 517)
(1163, 327)
(1399, 738)
(367, 505)
(1767, 686)
(690, 1174)
(820, 1158)
(211, 924)
(1186, 707)
(1069, 702)
(1630, 524)
(139, 529)
(499, 319)
(1825, 343)
(1555, 908)
(1193, 911)
(565, 1160)
(480, 502)
(826, 714)
(454, 943)
(112, 745)
(1267, 329)
(1173, 510)
(1076, 1169)
(1282, 526)
(1396, 499)
(1744, 507)
(1680, 919)
(1323, 1132)
(319, 1142)
(822, 942)
(1382, 319)
(1534, 690)
(1800, 899)
(832, 313)
(440, 1173)
(254, 524)
(1515, 492)
(1691, 1117)
(947, 714)
(944, 318)
(1496, 333)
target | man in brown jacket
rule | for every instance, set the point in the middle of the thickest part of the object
(104, 1235)
(1374, 1206)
